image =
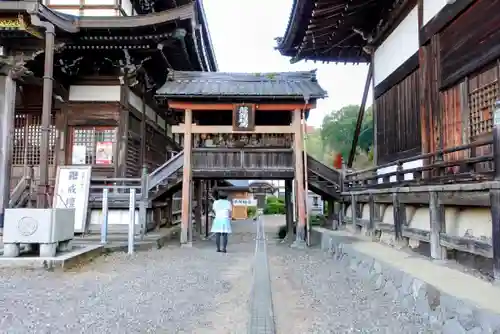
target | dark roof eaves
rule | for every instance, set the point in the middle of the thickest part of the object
(295, 22)
(73, 24)
(185, 12)
(206, 34)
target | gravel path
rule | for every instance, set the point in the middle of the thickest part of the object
(172, 290)
(312, 294)
(196, 290)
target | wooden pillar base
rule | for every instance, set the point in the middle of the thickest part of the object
(300, 238)
(289, 209)
(186, 220)
(300, 192)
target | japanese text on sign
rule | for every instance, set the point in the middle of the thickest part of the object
(72, 188)
(243, 113)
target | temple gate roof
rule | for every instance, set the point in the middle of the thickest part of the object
(285, 85)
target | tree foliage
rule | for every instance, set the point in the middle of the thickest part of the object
(337, 133)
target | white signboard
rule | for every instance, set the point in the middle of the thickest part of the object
(104, 153)
(72, 191)
(244, 202)
(78, 155)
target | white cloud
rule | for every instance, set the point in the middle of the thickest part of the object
(243, 33)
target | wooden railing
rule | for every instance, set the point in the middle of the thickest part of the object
(22, 192)
(451, 165)
(330, 174)
(212, 159)
(453, 176)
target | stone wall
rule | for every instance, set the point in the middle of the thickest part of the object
(448, 313)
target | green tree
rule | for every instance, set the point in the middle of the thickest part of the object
(337, 131)
(314, 145)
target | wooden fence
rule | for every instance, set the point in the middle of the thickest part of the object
(434, 179)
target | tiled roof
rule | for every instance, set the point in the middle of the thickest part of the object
(238, 183)
(286, 85)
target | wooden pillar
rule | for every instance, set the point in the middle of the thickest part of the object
(495, 195)
(143, 129)
(198, 192)
(299, 178)
(169, 210)
(354, 212)
(289, 207)
(361, 114)
(437, 225)
(207, 205)
(331, 213)
(123, 125)
(186, 178)
(373, 216)
(7, 115)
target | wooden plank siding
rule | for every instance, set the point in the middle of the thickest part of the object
(398, 127)
(465, 73)
(452, 121)
(157, 145)
(470, 42)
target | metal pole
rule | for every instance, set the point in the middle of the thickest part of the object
(144, 201)
(495, 195)
(104, 225)
(42, 199)
(131, 222)
(306, 185)
(207, 206)
(6, 133)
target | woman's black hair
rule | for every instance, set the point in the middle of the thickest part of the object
(221, 195)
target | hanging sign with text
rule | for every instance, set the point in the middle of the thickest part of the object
(244, 117)
(244, 202)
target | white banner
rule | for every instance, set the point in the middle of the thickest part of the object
(72, 191)
(244, 202)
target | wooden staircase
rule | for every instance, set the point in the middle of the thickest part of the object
(323, 180)
(167, 178)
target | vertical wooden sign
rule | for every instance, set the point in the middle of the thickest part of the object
(243, 117)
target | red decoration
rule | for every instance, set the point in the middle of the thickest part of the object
(337, 161)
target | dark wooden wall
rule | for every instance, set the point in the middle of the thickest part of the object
(398, 125)
(156, 146)
(460, 79)
(456, 85)
(470, 42)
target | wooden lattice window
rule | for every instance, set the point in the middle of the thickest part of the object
(481, 102)
(87, 141)
(27, 140)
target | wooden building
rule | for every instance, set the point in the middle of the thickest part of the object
(243, 126)
(436, 73)
(84, 86)
(134, 97)
(433, 87)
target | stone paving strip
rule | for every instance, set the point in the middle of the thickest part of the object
(261, 307)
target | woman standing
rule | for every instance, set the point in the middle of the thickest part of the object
(221, 226)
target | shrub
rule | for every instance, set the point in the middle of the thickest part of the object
(251, 211)
(274, 206)
(316, 220)
(282, 232)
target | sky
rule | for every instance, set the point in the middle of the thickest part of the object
(243, 33)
